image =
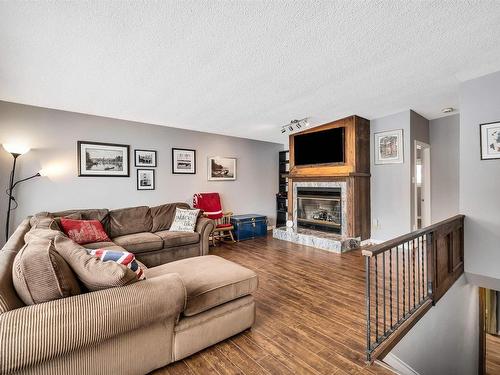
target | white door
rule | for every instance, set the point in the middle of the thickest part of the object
(422, 185)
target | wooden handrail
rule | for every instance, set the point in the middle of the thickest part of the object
(407, 275)
(384, 246)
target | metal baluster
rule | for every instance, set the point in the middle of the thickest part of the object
(368, 312)
(418, 272)
(390, 285)
(422, 265)
(404, 282)
(376, 298)
(397, 283)
(413, 273)
(383, 289)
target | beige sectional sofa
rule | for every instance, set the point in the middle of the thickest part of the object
(182, 307)
(144, 231)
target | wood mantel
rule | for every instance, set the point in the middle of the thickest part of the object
(355, 171)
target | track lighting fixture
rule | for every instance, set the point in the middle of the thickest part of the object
(295, 125)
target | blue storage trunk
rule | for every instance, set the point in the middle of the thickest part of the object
(249, 226)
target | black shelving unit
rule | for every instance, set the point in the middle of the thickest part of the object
(282, 196)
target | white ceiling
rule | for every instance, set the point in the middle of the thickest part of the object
(244, 68)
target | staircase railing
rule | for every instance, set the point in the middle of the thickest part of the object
(405, 276)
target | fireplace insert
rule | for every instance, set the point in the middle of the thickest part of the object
(319, 209)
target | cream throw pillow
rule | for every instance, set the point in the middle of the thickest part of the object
(184, 220)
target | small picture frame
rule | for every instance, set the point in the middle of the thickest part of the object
(221, 168)
(97, 159)
(145, 179)
(490, 140)
(183, 161)
(145, 158)
(388, 147)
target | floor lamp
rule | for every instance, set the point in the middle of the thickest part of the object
(15, 151)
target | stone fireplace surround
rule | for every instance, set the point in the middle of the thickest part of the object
(323, 240)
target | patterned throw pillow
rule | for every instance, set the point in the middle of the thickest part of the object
(121, 257)
(84, 231)
(185, 220)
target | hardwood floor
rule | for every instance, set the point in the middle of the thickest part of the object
(492, 354)
(310, 315)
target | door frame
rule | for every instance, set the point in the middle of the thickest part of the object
(426, 217)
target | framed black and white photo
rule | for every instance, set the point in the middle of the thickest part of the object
(221, 168)
(145, 158)
(388, 147)
(145, 179)
(490, 140)
(183, 161)
(96, 159)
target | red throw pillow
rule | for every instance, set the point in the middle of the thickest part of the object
(84, 231)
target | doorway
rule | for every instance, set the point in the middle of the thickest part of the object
(422, 185)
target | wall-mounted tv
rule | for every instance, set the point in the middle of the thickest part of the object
(320, 147)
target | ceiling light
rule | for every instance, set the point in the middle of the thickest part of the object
(295, 124)
(447, 110)
(283, 129)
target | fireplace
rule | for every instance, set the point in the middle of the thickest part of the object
(319, 208)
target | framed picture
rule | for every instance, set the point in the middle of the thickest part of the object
(145, 158)
(388, 147)
(97, 159)
(490, 140)
(221, 168)
(183, 161)
(145, 179)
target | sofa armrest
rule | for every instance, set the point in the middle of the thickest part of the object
(204, 226)
(33, 334)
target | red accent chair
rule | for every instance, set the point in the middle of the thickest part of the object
(210, 204)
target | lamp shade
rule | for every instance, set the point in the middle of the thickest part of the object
(16, 148)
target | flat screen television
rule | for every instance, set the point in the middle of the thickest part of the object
(325, 146)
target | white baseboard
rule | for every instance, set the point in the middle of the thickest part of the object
(398, 365)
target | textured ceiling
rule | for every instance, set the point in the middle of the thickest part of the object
(244, 68)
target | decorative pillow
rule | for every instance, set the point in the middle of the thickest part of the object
(40, 274)
(121, 257)
(41, 233)
(84, 231)
(184, 220)
(92, 271)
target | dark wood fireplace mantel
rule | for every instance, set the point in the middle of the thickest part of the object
(355, 171)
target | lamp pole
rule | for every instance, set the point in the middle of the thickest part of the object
(11, 187)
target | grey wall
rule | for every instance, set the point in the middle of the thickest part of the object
(53, 134)
(445, 156)
(390, 183)
(445, 341)
(419, 131)
(480, 179)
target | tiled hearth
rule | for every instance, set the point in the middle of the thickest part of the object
(337, 243)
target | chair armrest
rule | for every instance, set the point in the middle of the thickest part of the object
(204, 226)
(33, 334)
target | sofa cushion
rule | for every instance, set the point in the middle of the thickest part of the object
(174, 239)
(44, 222)
(130, 220)
(92, 271)
(84, 231)
(139, 242)
(99, 245)
(40, 274)
(163, 215)
(84, 214)
(41, 233)
(184, 220)
(209, 280)
(9, 300)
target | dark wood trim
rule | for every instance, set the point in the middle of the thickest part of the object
(183, 149)
(482, 334)
(78, 153)
(377, 249)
